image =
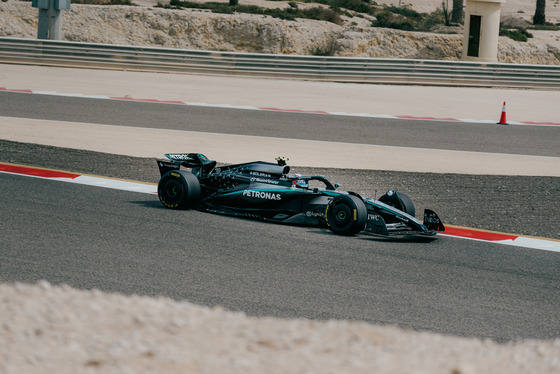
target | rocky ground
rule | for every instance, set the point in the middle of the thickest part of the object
(198, 29)
(47, 329)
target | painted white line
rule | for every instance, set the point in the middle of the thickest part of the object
(549, 245)
(544, 245)
(115, 184)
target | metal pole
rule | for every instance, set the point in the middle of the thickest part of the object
(43, 26)
(55, 24)
(50, 18)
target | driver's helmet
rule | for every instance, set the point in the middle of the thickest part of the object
(299, 182)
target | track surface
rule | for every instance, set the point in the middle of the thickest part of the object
(126, 242)
(478, 137)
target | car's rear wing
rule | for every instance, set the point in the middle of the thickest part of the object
(200, 164)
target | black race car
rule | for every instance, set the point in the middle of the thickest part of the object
(266, 191)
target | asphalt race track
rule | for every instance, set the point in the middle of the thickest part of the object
(90, 237)
(477, 137)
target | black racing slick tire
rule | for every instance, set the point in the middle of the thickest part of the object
(346, 215)
(408, 205)
(399, 201)
(179, 189)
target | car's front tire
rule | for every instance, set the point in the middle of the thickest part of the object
(346, 215)
(408, 205)
(179, 189)
(399, 201)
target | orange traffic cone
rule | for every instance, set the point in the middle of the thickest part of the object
(503, 116)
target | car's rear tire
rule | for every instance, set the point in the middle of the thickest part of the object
(179, 189)
(346, 215)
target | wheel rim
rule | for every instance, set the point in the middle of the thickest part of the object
(342, 214)
(172, 190)
(346, 215)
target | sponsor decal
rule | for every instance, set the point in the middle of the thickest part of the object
(315, 214)
(179, 156)
(373, 217)
(262, 195)
(258, 174)
(431, 218)
(262, 180)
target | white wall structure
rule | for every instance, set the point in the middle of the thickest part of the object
(482, 28)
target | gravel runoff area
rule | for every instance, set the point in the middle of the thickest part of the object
(48, 329)
(516, 205)
(45, 328)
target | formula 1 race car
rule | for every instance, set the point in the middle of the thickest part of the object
(266, 191)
